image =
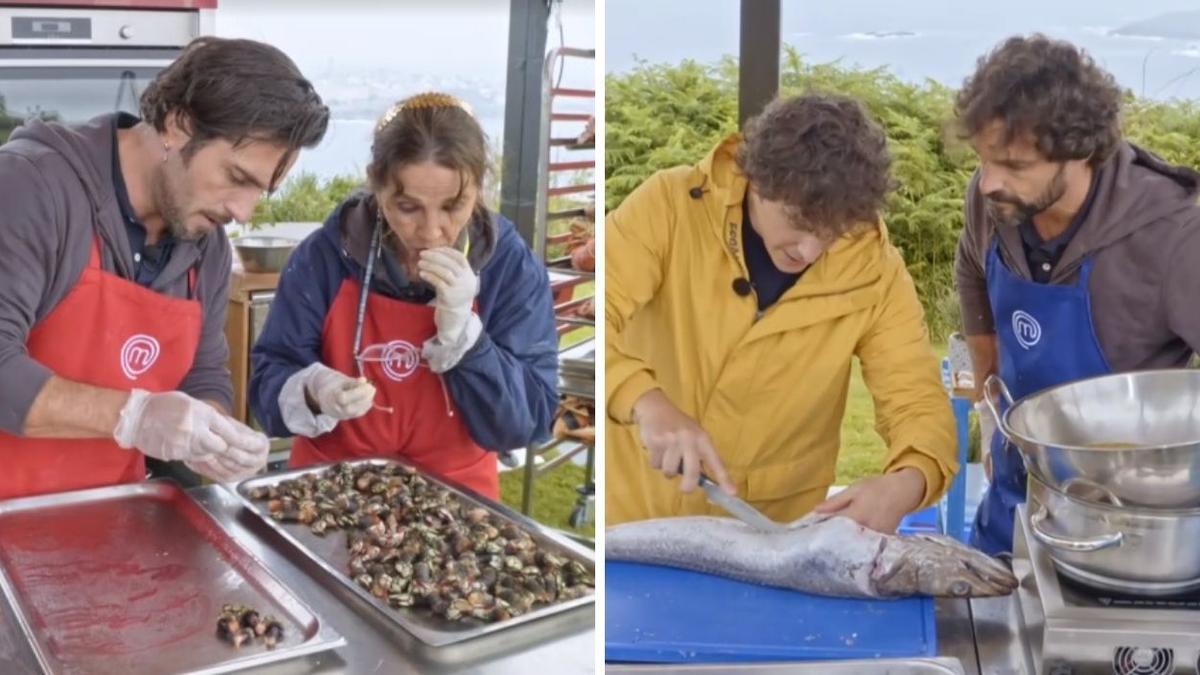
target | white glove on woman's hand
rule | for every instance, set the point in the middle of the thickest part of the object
(338, 395)
(458, 327)
(173, 426)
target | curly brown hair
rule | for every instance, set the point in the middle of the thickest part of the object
(822, 156)
(1050, 89)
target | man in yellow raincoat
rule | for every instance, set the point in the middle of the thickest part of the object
(738, 291)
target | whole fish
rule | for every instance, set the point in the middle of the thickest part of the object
(819, 554)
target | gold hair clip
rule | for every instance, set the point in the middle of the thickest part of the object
(429, 99)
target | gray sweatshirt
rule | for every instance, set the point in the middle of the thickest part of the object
(56, 191)
(1143, 230)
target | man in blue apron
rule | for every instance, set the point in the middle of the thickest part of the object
(1081, 251)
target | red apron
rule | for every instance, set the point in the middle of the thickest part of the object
(425, 427)
(107, 332)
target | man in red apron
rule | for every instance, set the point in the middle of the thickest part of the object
(1081, 251)
(115, 271)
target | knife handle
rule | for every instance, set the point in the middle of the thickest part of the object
(704, 480)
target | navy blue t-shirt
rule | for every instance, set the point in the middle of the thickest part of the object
(768, 281)
(148, 260)
(1043, 256)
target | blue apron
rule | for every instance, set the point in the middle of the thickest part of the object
(1046, 337)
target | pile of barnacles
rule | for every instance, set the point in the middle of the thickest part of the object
(239, 624)
(415, 544)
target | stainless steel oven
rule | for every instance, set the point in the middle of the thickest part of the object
(71, 63)
(260, 305)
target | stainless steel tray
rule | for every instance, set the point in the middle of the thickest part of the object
(329, 553)
(131, 579)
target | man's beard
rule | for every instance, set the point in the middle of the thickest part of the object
(1025, 211)
(166, 201)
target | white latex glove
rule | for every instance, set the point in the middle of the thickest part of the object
(219, 469)
(338, 395)
(458, 327)
(173, 426)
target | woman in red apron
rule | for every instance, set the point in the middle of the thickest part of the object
(449, 350)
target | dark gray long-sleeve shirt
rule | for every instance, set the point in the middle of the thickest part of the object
(56, 193)
(1143, 231)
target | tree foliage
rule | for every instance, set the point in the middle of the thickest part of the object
(305, 198)
(659, 116)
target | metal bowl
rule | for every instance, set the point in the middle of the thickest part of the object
(264, 254)
(1135, 434)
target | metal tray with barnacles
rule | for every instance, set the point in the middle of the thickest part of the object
(438, 560)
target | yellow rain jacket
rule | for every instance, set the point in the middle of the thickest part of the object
(770, 390)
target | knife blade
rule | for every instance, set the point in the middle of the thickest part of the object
(738, 508)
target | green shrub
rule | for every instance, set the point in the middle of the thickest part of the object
(659, 116)
(304, 198)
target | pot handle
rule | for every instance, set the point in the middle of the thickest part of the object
(992, 382)
(1087, 482)
(1071, 545)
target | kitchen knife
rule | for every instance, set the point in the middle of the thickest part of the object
(738, 508)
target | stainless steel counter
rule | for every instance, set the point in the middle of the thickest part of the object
(956, 634)
(564, 644)
(998, 640)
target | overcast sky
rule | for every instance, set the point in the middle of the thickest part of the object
(460, 38)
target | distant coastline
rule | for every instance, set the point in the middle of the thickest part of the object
(1170, 26)
(880, 35)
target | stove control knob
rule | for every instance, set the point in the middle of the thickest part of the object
(126, 32)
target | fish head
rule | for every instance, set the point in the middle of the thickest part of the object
(938, 566)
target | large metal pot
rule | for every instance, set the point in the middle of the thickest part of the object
(1137, 434)
(1114, 547)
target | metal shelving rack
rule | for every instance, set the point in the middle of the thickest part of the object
(564, 279)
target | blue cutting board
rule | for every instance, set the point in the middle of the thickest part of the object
(663, 615)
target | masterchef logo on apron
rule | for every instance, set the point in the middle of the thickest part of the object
(400, 360)
(138, 354)
(1026, 329)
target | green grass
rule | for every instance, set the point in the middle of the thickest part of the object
(554, 496)
(862, 449)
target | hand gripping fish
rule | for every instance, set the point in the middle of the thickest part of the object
(819, 554)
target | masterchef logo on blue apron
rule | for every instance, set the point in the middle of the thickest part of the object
(138, 354)
(400, 360)
(1026, 328)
